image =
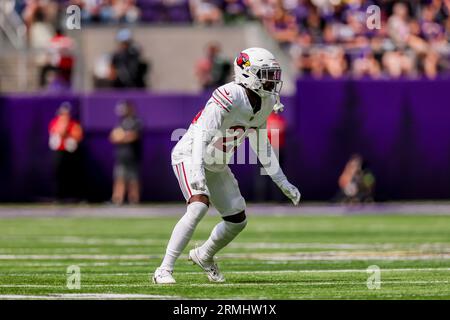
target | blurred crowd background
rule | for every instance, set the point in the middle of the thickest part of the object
(324, 38)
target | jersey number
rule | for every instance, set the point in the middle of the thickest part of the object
(228, 143)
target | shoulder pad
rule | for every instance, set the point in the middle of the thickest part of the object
(223, 97)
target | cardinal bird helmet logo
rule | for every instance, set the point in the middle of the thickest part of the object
(243, 60)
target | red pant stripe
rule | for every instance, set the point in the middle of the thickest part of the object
(186, 181)
(183, 189)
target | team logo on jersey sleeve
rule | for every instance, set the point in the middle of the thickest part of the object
(243, 60)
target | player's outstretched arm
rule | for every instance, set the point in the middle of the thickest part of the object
(260, 144)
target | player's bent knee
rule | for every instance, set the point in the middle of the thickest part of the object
(199, 198)
(236, 227)
(236, 218)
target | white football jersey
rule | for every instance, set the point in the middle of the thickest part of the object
(225, 122)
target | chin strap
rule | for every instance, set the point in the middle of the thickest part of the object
(278, 107)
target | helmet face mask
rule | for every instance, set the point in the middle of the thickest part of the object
(258, 70)
(270, 80)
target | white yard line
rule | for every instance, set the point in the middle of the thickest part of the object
(316, 283)
(239, 245)
(99, 241)
(338, 255)
(382, 294)
(76, 256)
(339, 246)
(86, 296)
(64, 287)
(100, 296)
(284, 256)
(80, 264)
(245, 284)
(383, 270)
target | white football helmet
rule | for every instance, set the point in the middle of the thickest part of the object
(258, 70)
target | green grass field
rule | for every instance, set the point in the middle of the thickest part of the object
(278, 257)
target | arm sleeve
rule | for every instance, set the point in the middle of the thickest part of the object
(260, 144)
(137, 125)
(205, 128)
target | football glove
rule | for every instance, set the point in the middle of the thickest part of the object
(198, 180)
(290, 191)
(278, 107)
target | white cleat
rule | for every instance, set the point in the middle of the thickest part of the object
(163, 276)
(210, 267)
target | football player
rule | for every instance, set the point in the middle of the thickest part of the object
(200, 159)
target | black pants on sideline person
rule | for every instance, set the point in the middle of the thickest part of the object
(68, 176)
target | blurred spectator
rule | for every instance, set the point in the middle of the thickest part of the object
(234, 11)
(102, 71)
(57, 72)
(325, 38)
(335, 63)
(262, 9)
(47, 9)
(398, 63)
(94, 10)
(128, 70)
(125, 11)
(399, 26)
(356, 182)
(300, 51)
(106, 11)
(367, 66)
(213, 70)
(127, 139)
(38, 20)
(206, 12)
(174, 11)
(434, 34)
(282, 26)
(313, 23)
(20, 5)
(65, 135)
(413, 39)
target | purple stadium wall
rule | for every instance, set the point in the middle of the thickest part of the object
(401, 127)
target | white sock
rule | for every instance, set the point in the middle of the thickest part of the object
(221, 235)
(182, 233)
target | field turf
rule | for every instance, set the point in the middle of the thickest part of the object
(276, 257)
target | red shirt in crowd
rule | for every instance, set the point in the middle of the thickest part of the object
(276, 122)
(65, 133)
